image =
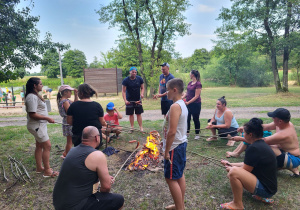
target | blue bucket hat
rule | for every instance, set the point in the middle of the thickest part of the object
(110, 106)
(132, 68)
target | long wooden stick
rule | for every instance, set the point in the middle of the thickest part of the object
(125, 162)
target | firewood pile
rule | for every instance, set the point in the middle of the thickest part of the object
(149, 156)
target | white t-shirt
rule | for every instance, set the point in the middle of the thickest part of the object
(180, 136)
(35, 104)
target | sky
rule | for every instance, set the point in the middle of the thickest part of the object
(76, 22)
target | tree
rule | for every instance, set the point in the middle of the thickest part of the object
(19, 40)
(263, 21)
(74, 62)
(151, 25)
(198, 60)
(50, 64)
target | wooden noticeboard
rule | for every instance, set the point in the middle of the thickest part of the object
(104, 80)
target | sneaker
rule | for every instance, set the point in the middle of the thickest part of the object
(197, 137)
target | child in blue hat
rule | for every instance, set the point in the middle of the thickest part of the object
(112, 118)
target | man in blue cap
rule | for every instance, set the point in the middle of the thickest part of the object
(133, 92)
(162, 90)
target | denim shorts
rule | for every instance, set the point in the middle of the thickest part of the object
(261, 191)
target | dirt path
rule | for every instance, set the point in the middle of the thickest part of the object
(239, 113)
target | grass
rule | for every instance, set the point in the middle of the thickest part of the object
(207, 185)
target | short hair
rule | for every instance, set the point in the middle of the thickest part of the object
(88, 132)
(254, 126)
(176, 83)
(86, 91)
(223, 100)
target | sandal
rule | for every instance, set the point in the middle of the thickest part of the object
(53, 175)
(226, 206)
(264, 200)
(170, 207)
(212, 139)
(130, 131)
(295, 175)
(230, 143)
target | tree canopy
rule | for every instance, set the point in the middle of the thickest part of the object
(74, 61)
(150, 25)
(267, 25)
(20, 46)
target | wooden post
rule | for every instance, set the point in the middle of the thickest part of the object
(13, 96)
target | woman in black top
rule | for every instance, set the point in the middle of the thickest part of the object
(85, 113)
(258, 172)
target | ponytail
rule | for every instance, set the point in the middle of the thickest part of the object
(196, 74)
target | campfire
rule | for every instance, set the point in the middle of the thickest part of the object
(149, 155)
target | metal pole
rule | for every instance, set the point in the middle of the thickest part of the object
(61, 74)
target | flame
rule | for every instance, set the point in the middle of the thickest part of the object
(149, 152)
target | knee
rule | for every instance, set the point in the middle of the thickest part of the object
(234, 172)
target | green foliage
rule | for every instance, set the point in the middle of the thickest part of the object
(151, 27)
(50, 64)
(20, 46)
(261, 24)
(198, 60)
(74, 62)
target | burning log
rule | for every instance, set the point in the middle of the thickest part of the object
(149, 155)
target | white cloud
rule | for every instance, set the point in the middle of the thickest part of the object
(204, 8)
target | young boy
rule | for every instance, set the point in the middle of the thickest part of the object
(174, 143)
(112, 118)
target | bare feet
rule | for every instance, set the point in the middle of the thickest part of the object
(170, 207)
(232, 154)
(212, 139)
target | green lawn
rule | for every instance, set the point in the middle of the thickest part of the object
(207, 184)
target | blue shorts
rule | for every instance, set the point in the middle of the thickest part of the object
(261, 191)
(178, 158)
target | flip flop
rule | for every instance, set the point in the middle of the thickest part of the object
(53, 175)
(130, 131)
(230, 143)
(264, 200)
(39, 172)
(295, 175)
(211, 139)
(226, 206)
(170, 207)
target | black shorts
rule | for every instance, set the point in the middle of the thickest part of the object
(227, 131)
(165, 106)
(107, 201)
(134, 108)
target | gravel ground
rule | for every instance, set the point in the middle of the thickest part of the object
(239, 113)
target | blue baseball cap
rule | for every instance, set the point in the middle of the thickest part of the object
(132, 68)
(110, 106)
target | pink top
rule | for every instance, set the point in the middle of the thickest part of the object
(112, 119)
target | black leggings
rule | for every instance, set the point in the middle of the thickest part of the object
(194, 110)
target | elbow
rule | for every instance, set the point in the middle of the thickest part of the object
(105, 188)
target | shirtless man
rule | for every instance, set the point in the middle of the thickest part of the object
(285, 141)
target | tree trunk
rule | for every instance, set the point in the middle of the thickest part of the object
(275, 70)
(298, 76)
(286, 49)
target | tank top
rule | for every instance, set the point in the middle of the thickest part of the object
(220, 120)
(180, 136)
(75, 182)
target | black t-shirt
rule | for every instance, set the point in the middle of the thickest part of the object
(133, 88)
(75, 182)
(261, 157)
(85, 114)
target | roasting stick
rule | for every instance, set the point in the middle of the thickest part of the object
(60, 123)
(125, 162)
(220, 134)
(128, 128)
(216, 161)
